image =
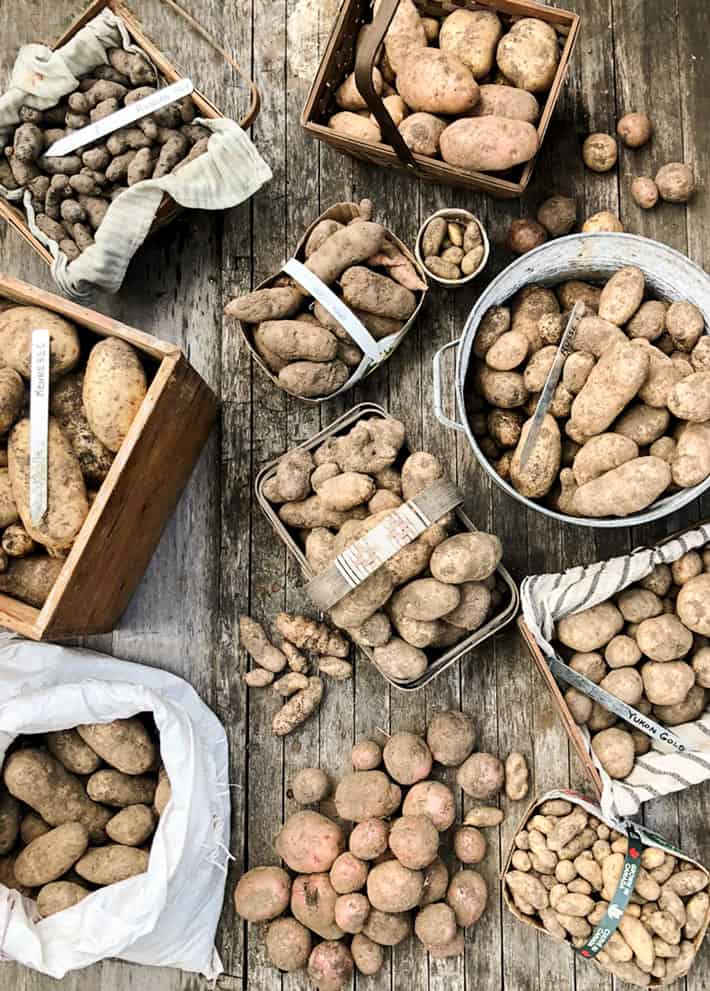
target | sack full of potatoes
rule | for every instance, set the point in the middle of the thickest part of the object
(114, 813)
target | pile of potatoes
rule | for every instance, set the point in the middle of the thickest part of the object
(463, 87)
(71, 193)
(629, 422)
(434, 592)
(565, 870)
(358, 892)
(300, 693)
(78, 810)
(93, 400)
(308, 352)
(649, 647)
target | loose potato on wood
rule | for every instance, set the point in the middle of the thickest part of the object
(310, 842)
(262, 894)
(67, 504)
(114, 388)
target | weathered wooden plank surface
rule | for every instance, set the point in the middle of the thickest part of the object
(218, 557)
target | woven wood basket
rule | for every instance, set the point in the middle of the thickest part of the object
(339, 60)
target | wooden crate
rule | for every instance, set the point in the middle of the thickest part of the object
(125, 521)
(339, 60)
(169, 210)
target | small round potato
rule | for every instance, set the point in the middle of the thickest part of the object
(558, 215)
(132, 826)
(481, 776)
(432, 799)
(422, 133)
(369, 839)
(59, 896)
(467, 894)
(525, 235)
(635, 129)
(676, 182)
(366, 755)
(604, 222)
(414, 840)
(470, 845)
(310, 785)
(407, 758)
(644, 192)
(614, 749)
(348, 873)
(600, 152)
(288, 944)
(330, 966)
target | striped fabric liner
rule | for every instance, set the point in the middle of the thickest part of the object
(227, 174)
(548, 598)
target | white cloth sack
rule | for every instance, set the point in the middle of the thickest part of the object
(227, 174)
(548, 598)
(168, 916)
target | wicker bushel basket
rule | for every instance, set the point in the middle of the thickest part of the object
(339, 60)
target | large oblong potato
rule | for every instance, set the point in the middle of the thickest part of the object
(67, 405)
(114, 388)
(111, 787)
(113, 863)
(488, 144)
(602, 453)
(472, 35)
(16, 327)
(691, 460)
(49, 857)
(294, 340)
(424, 599)
(528, 54)
(67, 503)
(466, 557)
(314, 378)
(437, 82)
(624, 490)
(401, 661)
(612, 383)
(622, 295)
(377, 293)
(8, 506)
(539, 474)
(122, 743)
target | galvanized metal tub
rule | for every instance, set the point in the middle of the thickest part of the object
(591, 257)
(446, 657)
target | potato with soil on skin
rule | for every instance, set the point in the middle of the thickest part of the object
(348, 96)
(488, 144)
(466, 557)
(393, 888)
(405, 33)
(397, 659)
(132, 826)
(111, 787)
(558, 215)
(591, 628)
(472, 36)
(407, 758)
(348, 873)
(614, 748)
(366, 756)
(296, 340)
(330, 966)
(66, 405)
(481, 776)
(66, 492)
(71, 751)
(369, 839)
(516, 777)
(12, 397)
(539, 474)
(437, 82)
(432, 799)
(469, 845)
(114, 388)
(31, 579)
(693, 604)
(525, 235)
(310, 785)
(603, 222)
(602, 453)
(635, 129)
(644, 192)
(600, 152)
(422, 133)
(50, 856)
(690, 398)
(288, 944)
(37, 779)
(668, 683)
(367, 955)
(612, 384)
(664, 638)
(366, 794)
(8, 506)
(313, 901)
(624, 490)
(59, 896)
(309, 842)
(377, 293)
(16, 327)
(262, 893)
(685, 324)
(346, 490)
(312, 379)
(414, 840)
(435, 925)
(424, 599)
(497, 100)
(10, 815)
(123, 743)
(450, 737)
(528, 54)
(467, 895)
(675, 182)
(110, 864)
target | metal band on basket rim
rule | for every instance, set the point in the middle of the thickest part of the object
(399, 528)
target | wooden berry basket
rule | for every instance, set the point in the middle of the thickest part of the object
(135, 501)
(169, 210)
(339, 60)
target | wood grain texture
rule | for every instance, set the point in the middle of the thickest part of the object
(218, 557)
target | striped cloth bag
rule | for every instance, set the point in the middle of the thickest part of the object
(548, 598)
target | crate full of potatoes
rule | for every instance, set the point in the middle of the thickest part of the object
(87, 208)
(455, 94)
(114, 813)
(128, 418)
(618, 893)
(390, 556)
(622, 645)
(339, 308)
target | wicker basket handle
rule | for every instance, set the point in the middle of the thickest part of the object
(374, 35)
(255, 97)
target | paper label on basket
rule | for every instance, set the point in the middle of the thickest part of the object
(660, 734)
(621, 897)
(335, 306)
(400, 528)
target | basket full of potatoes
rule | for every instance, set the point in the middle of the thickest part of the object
(627, 641)
(424, 598)
(619, 894)
(461, 96)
